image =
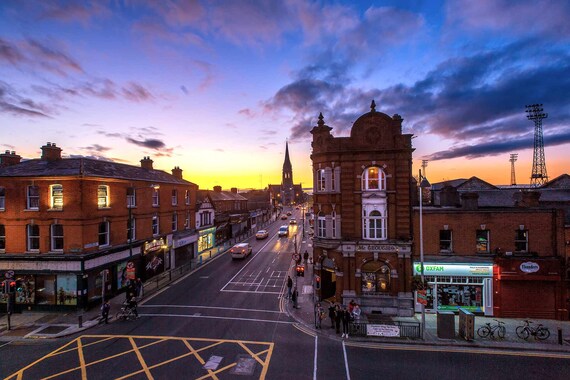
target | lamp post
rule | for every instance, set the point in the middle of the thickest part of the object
(131, 202)
(424, 183)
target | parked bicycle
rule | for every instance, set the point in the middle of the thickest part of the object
(488, 330)
(126, 313)
(539, 331)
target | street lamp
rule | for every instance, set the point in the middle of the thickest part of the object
(424, 183)
(131, 202)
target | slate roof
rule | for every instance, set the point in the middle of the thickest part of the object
(216, 196)
(87, 167)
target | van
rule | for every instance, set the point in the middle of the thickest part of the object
(240, 251)
(284, 230)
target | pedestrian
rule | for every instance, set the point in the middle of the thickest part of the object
(289, 286)
(351, 306)
(294, 297)
(345, 318)
(132, 304)
(337, 318)
(306, 257)
(105, 309)
(319, 315)
(139, 288)
(356, 312)
(331, 314)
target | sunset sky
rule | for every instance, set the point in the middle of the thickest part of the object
(217, 87)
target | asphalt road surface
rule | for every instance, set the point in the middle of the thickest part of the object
(228, 320)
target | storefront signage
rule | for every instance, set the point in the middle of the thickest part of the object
(529, 267)
(154, 245)
(383, 330)
(437, 269)
(376, 248)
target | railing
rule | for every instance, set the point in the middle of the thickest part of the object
(406, 329)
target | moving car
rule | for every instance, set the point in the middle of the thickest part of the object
(284, 230)
(261, 234)
(240, 251)
(283, 217)
(288, 213)
(293, 221)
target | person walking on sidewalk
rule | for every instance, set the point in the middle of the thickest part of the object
(289, 286)
(337, 318)
(331, 314)
(345, 317)
(105, 309)
(319, 315)
(294, 297)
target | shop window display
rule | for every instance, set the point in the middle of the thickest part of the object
(45, 290)
(452, 297)
(67, 289)
(375, 277)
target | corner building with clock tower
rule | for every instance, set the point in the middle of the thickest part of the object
(362, 192)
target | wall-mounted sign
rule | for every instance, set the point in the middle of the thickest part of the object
(382, 330)
(437, 269)
(529, 267)
(154, 245)
(381, 248)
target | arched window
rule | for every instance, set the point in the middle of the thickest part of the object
(375, 277)
(321, 180)
(374, 225)
(373, 179)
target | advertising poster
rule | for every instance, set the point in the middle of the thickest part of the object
(66, 289)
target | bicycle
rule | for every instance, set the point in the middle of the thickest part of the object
(488, 330)
(539, 332)
(126, 313)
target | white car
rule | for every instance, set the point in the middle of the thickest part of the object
(284, 230)
(240, 251)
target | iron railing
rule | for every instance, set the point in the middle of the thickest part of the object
(410, 330)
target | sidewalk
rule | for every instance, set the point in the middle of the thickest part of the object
(305, 316)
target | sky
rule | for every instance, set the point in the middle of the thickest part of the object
(218, 87)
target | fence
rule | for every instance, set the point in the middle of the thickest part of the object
(391, 329)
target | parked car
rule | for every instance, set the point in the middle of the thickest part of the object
(284, 230)
(240, 251)
(283, 217)
(293, 221)
(261, 234)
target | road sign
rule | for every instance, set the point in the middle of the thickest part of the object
(9, 274)
(422, 297)
(296, 256)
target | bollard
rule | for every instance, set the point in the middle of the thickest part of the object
(559, 336)
(80, 320)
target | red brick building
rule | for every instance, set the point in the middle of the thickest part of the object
(362, 205)
(494, 251)
(65, 221)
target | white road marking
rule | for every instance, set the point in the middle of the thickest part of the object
(245, 266)
(248, 291)
(214, 317)
(345, 361)
(315, 358)
(211, 307)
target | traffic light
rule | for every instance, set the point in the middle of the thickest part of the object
(318, 282)
(12, 286)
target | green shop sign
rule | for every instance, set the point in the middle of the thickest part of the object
(436, 269)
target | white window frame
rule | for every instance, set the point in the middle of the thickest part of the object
(334, 225)
(155, 197)
(187, 220)
(2, 198)
(55, 237)
(187, 197)
(372, 224)
(33, 200)
(174, 221)
(103, 196)
(174, 197)
(104, 235)
(371, 182)
(321, 180)
(32, 240)
(321, 226)
(155, 225)
(521, 241)
(56, 196)
(131, 197)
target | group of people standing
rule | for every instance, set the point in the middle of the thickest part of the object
(342, 315)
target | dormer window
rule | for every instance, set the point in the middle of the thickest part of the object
(373, 179)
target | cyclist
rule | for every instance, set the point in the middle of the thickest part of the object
(132, 304)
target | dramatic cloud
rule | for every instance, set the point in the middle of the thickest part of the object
(16, 105)
(147, 143)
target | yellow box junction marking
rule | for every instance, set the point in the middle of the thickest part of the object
(81, 345)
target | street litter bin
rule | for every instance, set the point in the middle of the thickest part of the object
(446, 324)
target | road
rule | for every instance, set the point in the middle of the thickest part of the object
(229, 319)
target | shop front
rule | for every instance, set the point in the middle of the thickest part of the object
(184, 247)
(154, 255)
(457, 285)
(529, 287)
(206, 239)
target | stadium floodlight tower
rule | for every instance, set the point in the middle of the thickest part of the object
(513, 158)
(538, 176)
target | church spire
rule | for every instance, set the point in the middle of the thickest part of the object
(287, 163)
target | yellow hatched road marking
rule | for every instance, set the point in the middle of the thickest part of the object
(199, 357)
(141, 359)
(81, 360)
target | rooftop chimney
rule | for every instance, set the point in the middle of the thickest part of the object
(146, 163)
(50, 152)
(177, 172)
(234, 190)
(9, 158)
(218, 189)
(449, 197)
(529, 199)
(470, 201)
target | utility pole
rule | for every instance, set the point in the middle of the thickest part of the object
(538, 176)
(513, 158)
